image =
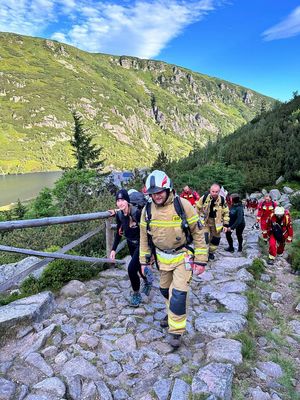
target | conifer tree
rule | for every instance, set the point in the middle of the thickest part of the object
(86, 153)
(161, 162)
(20, 210)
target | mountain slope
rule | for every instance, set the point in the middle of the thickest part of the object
(135, 107)
(262, 150)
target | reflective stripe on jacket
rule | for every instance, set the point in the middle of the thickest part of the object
(167, 234)
(222, 212)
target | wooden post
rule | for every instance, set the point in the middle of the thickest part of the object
(109, 234)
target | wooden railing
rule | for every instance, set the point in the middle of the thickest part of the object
(60, 254)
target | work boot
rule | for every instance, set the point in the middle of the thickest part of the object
(211, 256)
(270, 262)
(164, 322)
(135, 299)
(230, 249)
(175, 340)
(147, 288)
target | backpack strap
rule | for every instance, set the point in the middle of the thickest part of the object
(184, 224)
(148, 216)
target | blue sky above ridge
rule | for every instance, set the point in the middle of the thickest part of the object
(253, 43)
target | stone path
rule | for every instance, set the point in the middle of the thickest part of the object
(94, 346)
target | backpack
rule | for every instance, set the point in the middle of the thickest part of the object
(277, 232)
(137, 199)
(184, 226)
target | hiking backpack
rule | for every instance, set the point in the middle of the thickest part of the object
(137, 199)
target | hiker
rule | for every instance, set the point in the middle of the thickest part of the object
(228, 200)
(253, 204)
(236, 222)
(214, 215)
(128, 219)
(280, 231)
(265, 208)
(191, 195)
(171, 238)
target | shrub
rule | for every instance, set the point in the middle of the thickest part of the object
(57, 274)
(257, 268)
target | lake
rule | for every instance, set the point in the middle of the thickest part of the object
(25, 186)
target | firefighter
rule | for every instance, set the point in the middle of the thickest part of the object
(265, 208)
(214, 215)
(191, 195)
(253, 205)
(280, 231)
(176, 243)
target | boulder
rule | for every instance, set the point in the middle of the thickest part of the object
(214, 378)
(275, 194)
(219, 325)
(26, 311)
(73, 288)
(288, 190)
(225, 350)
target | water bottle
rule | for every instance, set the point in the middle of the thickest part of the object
(149, 275)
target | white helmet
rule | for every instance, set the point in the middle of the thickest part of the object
(279, 211)
(158, 181)
(130, 191)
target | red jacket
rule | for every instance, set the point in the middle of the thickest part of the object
(253, 203)
(285, 223)
(265, 209)
(192, 196)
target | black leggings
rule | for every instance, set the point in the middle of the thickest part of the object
(239, 235)
(134, 267)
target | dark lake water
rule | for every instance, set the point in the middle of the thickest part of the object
(26, 186)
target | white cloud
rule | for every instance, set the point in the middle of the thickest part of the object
(141, 28)
(289, 27)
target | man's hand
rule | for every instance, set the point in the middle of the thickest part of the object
(112, 255)
(112, 212)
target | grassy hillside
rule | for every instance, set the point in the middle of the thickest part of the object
(135, 107)
(262, 150)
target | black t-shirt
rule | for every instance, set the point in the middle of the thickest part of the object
(212, 212)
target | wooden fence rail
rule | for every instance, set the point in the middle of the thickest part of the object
(60, 254)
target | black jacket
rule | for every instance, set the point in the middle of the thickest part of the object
(132, 233)
(236, 216)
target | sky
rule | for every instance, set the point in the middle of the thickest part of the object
(254, 43)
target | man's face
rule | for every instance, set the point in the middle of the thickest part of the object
(267, 197)
(160, 197)
(122, 204)
(214, 191)
(186, 189)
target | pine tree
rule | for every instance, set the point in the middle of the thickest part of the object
(86, 153)
(162, 162)
(20, 210)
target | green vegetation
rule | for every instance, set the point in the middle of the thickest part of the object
(76, 192)
(257, 268)
(294, 249)
(136, 108)
(259, 152)
(85, 152)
